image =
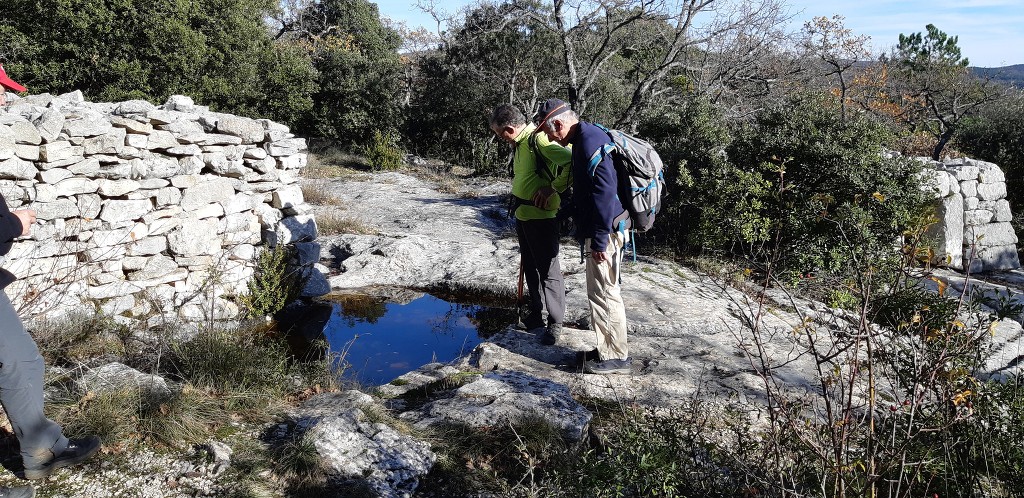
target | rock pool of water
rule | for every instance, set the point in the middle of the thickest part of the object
(377, 340)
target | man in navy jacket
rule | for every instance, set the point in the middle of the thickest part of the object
(601, 227)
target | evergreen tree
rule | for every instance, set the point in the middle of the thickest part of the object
(217, 51)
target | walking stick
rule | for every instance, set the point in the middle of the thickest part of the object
(519, 291)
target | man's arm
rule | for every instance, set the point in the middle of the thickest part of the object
(605, 203)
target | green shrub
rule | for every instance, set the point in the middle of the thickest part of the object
(220, 53)
(273, 285)
(916, 306)
(803, 189)
(997, 431)
(383, 151)
(504, 459)
(682, 453)
(691, 140)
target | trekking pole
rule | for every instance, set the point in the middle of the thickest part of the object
(519, 291)
(632, 240)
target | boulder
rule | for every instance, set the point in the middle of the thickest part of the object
(115, 377)
(503, 397)
(354, 448)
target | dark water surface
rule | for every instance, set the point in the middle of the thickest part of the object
(380, 340)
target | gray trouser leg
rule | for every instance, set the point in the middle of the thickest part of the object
(538, 244)
(21, 390)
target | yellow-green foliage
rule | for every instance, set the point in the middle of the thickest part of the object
(383, 151)
(274, 284)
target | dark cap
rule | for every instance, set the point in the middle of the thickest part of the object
(549, 109)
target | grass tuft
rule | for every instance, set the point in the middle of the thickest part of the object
(317, 194)
(332, 223)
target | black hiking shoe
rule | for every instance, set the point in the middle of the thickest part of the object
(550, 334)
(17, 492)
(607, 367)
(78, 451)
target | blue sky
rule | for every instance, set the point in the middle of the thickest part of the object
(991, 31)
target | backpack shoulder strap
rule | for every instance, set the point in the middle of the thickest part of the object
(598, 155)
(541, 162)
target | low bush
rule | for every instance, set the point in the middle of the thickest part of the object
(383, 151)
(509, 459)
(996, 134)
(798, 184)
(274, 284)
(642, 453)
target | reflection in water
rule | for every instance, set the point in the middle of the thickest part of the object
(381, 340)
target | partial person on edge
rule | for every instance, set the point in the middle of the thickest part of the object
(44, 448)
(540, 172)
(602, 228)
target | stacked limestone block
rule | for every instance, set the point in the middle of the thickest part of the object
(974, 231)
(146, 210)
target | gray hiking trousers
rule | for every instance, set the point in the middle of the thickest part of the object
(21, 390)
(538, 246)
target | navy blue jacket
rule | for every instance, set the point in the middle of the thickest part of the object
(594, 192)
(10, 228)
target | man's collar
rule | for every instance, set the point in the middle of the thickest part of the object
(525, 132)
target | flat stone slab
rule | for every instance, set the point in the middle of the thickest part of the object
(506, 397)
(688, 333)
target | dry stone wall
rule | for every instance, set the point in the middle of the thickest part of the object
(974, 230)
(147, 210)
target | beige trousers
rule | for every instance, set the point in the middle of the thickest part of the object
(607, 312)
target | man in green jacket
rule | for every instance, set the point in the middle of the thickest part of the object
(540, 172)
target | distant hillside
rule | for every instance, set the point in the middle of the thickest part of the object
(1011, 75)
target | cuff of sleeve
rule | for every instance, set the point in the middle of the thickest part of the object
(11, 227)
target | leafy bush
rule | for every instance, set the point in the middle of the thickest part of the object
(220, 53)
(507, 458)
(359, 71)
(802, 187)
(691, 141)
(273, 285)
(646, 454)
(997, 431)
(383, 151)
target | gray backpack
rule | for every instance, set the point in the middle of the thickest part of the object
(640, 175)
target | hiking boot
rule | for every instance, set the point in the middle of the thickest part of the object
(608, 367)
(550, 334)
(17, 492)
(78, 451)
(584, 356)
